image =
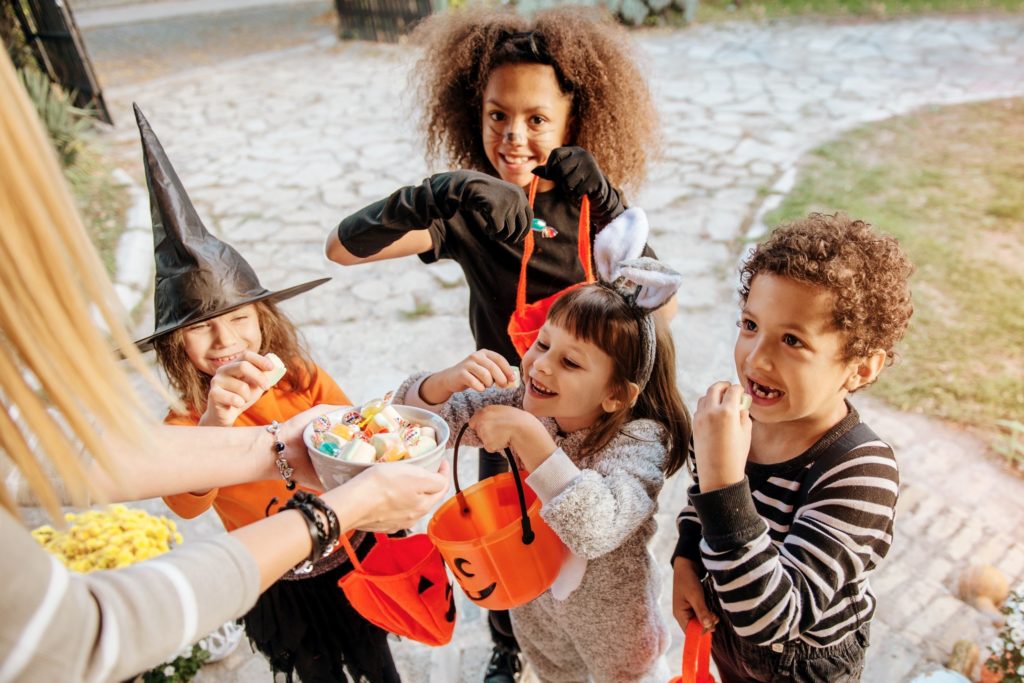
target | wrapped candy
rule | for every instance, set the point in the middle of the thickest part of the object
(375, 432)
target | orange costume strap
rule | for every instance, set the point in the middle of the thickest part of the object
(583, 244)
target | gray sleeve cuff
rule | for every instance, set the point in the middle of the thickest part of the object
(408, 393)
(553, 476)
(413, 397)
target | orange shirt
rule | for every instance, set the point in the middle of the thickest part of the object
(245, 503)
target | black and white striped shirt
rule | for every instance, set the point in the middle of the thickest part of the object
(784, 574)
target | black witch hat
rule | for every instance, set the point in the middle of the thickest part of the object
(198, 277)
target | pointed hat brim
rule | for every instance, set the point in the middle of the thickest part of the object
(146, 343)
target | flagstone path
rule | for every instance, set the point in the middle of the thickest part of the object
(276, 148)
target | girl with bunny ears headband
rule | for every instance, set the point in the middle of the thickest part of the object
(598, 422)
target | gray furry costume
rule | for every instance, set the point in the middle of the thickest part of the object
(602, 507)
(600, 619)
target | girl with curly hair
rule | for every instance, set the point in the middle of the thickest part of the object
(557, 99)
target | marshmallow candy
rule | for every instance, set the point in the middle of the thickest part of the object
(358, 450)
(275, 374)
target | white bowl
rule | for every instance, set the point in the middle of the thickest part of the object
(334, 472)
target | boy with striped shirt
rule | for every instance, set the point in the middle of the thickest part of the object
(793, 498)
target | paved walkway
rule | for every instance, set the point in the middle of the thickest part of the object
(275, 149)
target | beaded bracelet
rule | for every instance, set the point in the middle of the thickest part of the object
(282, 464)
(333, 528)
(317, 534)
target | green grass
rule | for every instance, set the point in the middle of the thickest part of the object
(422, 308)
(102, 202)
(721, 10)
(949, 183)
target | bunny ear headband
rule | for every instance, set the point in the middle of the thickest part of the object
(645, 283)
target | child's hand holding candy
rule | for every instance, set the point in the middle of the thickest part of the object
(480, 370)
(237, 385)
(721, 436)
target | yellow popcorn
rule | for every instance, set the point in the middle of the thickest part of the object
(106, 539)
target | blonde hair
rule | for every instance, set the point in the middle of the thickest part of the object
(64, 395)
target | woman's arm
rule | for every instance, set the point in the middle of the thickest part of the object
(201, 458)
(110, 625)
(384, 499)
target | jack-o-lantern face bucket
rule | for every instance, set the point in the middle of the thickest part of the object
(401, 586)
(493, 539)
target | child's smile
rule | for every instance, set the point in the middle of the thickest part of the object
(224, 360)
(214, 343)
(525, 116)
(539, 390)
(762, 393)
(567, 379)
(789, 354)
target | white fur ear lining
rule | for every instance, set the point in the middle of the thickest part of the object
(621, 240)
(658, 281)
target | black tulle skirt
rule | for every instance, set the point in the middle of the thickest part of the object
(308, 627)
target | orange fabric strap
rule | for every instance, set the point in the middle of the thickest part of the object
(356, 564)
(696, 654)
(583, 241)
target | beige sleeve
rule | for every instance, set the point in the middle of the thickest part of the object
(111, 625)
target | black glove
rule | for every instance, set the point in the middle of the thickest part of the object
(576, 171)
(487, 204)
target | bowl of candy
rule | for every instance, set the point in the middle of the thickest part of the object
(344, 442)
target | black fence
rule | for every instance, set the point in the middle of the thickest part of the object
(381, 20)
(52, 36)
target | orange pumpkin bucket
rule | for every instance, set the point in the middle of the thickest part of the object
(494, 541)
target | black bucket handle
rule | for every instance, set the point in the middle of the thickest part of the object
(528, 534)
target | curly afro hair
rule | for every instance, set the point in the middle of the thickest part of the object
(613, 112)
(866, 272)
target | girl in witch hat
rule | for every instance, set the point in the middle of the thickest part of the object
(215, 325)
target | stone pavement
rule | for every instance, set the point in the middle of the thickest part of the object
(276, 148)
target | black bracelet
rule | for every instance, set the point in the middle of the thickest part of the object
(282, 463)
(317, 534)
(333, 528)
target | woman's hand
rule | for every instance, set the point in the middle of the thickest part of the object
(688, 596)
(295, 448)
(480, 370)
(500, 427)
(388, 497)
(721, 436)
(234, 388)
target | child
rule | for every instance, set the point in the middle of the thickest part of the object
(510, 99)
(214, 325)
(599, 424)
(504, 97)
(793, 507)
